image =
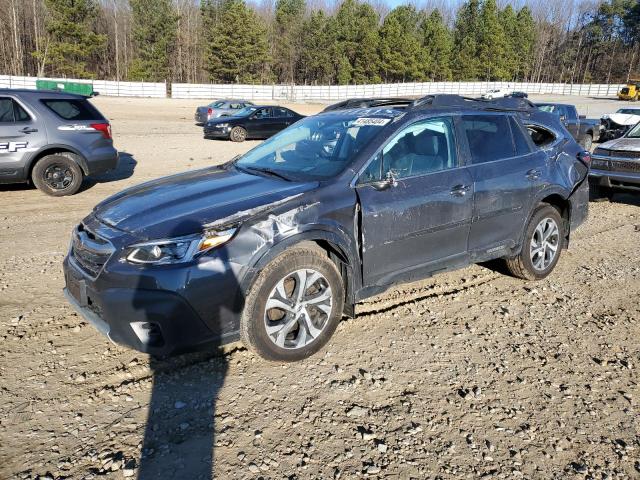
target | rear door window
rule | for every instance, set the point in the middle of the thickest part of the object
(6, 110)
(280, 112)
(489, 137)
(71, 109)
(11, 111)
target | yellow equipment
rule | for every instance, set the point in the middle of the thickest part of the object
(631, 91)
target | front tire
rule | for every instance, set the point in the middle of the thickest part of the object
(294, 306)
(238, 134)
(543, 240)
(58, 174)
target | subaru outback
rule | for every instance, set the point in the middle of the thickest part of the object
(52, 139)
(275, 246)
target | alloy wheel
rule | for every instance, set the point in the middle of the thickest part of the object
(544, 244)
(298, 309)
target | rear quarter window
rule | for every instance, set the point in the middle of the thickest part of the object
(70, 109)
(489, 137)
(540, 136)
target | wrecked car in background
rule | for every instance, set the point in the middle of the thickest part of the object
(616, 165)
(275, 246)
(615, 125)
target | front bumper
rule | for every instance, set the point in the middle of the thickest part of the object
(216, 132)
(160, 312)
(615, 172)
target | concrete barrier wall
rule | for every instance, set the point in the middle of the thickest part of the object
(103, 87)
(326, 93)
(315, 93)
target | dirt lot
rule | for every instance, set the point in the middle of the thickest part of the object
(466, 375)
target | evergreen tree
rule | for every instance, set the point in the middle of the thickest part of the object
(316, 63)
(72, 39)
(238, 51)
(437, 47)
(154, 24)
(354, 29)
(525, 43)
(401, 57)
(467, 64)
(492, 43)
(509, 21)
(289, 21)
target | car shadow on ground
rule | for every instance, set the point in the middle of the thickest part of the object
(125, 169)
(179, 432)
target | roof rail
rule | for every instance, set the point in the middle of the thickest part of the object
(448, 100)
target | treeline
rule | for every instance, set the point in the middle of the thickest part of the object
(310, 42)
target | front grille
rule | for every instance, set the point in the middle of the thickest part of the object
(625, 154)
(623, 166)
(90, 251)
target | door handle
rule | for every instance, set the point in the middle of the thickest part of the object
(459, 190)
(534, 174)
(29, 130)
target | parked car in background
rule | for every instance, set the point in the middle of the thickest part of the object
(519, 95)
(616, 165)
(219, 108)
(497, 93)
(52, 139)
(390, 102)
(251, 122)
(277, 245)
(615, 125)
(584, 130)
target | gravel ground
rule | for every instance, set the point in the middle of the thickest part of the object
(469, 374)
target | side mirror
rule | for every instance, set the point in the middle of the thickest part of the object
(389, 181)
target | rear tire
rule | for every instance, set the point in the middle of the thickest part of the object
(543, 241)
(586, 141)
(282, 323)
(238, 134)
(58, 174)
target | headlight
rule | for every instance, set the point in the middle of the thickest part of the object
(222, 125)
(177, 250)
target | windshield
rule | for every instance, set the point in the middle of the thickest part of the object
(629, 111)
(217, 104)
(244, 111)
(315, 148)
(634, 132)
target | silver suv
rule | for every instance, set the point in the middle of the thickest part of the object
(52, 139)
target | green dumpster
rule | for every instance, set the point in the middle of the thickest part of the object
(64, 86)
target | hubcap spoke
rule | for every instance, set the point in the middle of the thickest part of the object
(293, 318)
(544, 244)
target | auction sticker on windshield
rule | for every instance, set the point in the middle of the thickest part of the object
(362, 122)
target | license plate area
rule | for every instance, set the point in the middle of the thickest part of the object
(77, 288)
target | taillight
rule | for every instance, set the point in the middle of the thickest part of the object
(584, 157)
(209, 111)
(103, 128)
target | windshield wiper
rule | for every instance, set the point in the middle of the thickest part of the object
(266, 171)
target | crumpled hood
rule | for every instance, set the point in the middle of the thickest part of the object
(623, 118)
(183, 204)
(626, 144)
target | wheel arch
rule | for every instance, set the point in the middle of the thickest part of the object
(53, 149)
(334, 247)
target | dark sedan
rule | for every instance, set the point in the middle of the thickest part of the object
(251, 122)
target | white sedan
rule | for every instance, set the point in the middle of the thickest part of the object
(497, 93)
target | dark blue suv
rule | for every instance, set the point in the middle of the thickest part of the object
(277, 245)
